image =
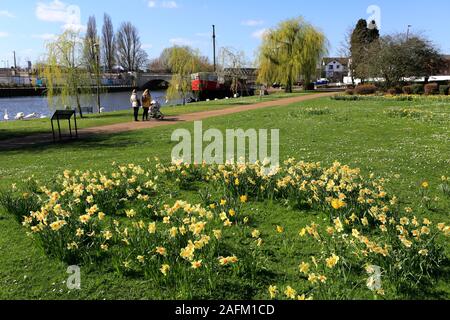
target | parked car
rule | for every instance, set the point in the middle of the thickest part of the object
(321, 82)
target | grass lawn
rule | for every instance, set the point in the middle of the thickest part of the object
(16, 129)
(376, 136)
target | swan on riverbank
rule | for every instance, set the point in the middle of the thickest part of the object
(31, 116)
(19, 116)
(6, 116)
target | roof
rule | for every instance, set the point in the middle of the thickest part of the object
(343, 61)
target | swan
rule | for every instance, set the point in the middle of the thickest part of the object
(31, 116)
(19, 116)
(43, 117)
(6, 116)
(102, 110)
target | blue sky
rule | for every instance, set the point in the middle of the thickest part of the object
(25, 25)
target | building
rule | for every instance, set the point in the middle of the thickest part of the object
(335, 69)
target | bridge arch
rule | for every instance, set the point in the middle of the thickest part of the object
(156, 84)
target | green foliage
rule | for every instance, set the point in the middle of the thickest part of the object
(444, 90)
(418, 89)
(289, 52)
(361, 41)
(183, 62)
(63, 71)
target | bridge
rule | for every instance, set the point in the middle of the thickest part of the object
(153, 80)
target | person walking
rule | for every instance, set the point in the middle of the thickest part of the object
(146, 104)
(134, 99)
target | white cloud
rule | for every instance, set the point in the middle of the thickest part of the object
(45, 36)
(181, 42)
(58, 11)
(7, 14)
(4, 34)
(252, 23)
(259, 34)
(163, 4)
(55, 11)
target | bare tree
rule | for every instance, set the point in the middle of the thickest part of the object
(233, 64)
(108, 41)
(130, 54)
(90, 45)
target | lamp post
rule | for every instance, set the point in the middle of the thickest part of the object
(407, 32)
(97, 70)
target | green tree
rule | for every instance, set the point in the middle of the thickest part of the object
(397, 57)
(183, 62)
(63, 70)
(291, 51)
(361, 40)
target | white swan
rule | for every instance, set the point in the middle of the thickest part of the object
(19, 116)
(6, 116)
(31, 116)
(102, 110)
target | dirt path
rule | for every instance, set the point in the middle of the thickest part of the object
(132, 126)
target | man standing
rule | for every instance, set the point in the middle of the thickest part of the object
(135, 104)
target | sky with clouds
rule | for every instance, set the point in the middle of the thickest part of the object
(26, 25)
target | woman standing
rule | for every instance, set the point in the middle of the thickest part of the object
(134, 99)
(146, 104)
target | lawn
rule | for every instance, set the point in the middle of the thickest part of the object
(17, 129)
(405, 142)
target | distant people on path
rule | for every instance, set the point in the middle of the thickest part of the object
(135, 104)
(146, 104)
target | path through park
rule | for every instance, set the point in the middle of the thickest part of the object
(37, 139)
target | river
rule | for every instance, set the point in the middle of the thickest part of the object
(28, 105)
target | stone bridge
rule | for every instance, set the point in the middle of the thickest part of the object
(153, 80)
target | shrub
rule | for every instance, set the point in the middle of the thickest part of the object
(418, 89)
(392, 91)
(431, 88)
(444, 90)
(349, 92)
(407, 89)
(366, 89)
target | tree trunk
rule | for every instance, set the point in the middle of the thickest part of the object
(79, 106)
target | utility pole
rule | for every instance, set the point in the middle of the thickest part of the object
(214, 47)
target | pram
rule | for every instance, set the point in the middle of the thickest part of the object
(155, 111)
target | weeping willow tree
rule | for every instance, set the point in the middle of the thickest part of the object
(65, 76)
(291, 51)
(183, 62)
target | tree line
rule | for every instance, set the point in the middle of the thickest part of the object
(395, 58)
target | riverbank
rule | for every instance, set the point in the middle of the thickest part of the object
(21, 129)
(40, 91)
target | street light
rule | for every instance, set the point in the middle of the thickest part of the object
(97, 70)
(407, 32)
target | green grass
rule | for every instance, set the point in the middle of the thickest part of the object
(403, 150)
(17, 129)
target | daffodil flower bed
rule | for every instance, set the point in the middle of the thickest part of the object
(128, 219)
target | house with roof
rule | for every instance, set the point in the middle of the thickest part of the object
(335, 69)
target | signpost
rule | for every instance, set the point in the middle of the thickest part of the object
(64, 115)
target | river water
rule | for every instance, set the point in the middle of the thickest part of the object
(110, 101)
